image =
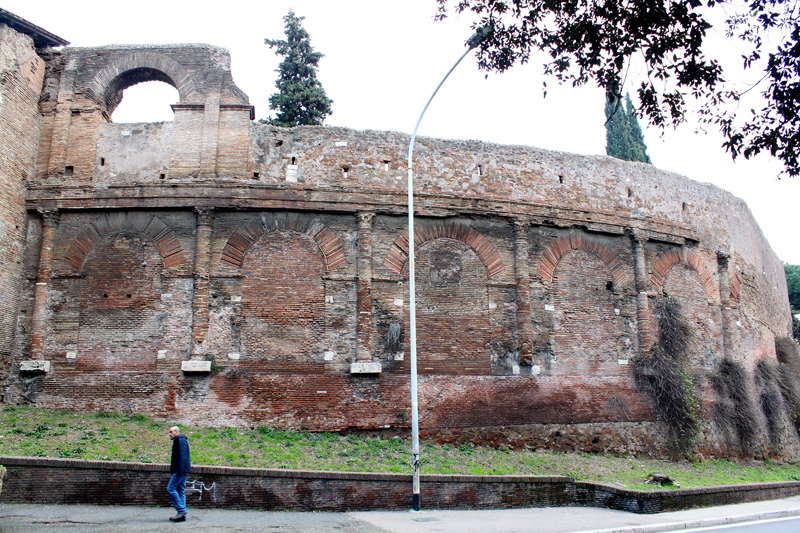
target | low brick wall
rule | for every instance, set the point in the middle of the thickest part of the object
(69, 481)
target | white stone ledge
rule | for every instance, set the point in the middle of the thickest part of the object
(34, 366)
(196, 366)
(365, 368)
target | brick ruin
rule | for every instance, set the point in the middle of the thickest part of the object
(220, 271)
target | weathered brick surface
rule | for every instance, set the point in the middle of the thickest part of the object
(21, 78)
(283, 300)
(281, 256)
(107, 483)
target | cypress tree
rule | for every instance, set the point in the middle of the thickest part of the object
(624, 138)
(301, 99)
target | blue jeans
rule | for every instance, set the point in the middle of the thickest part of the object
(177, 491)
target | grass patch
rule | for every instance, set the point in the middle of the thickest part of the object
(117, 437)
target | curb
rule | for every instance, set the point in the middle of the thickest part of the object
(698, 522)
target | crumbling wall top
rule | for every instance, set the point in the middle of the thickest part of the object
(199, 72)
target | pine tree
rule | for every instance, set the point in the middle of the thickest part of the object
(624, 138)
(301, 99)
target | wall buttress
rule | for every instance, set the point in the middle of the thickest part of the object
(644, 318)
(725, 302)
(40, 293)
(202, 262)
(364, 306)
(523, 283)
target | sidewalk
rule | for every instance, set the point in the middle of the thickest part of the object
(22, 518)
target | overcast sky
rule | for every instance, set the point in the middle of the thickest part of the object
(382, 61)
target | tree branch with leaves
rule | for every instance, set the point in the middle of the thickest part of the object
(595, 41)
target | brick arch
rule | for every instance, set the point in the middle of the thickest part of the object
(398, 253)
(137, 67)
(326, 239)
(669, 259)
(168, 245)
(556, 249)
(736, 287)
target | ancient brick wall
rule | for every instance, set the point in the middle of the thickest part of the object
(21, 77)
(211, 270)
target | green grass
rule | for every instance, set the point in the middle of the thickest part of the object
(117, 437)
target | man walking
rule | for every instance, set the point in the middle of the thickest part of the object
(180, 467)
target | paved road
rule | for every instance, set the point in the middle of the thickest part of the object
(20, 518)
(778, 525)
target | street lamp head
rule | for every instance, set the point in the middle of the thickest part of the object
(480, 35)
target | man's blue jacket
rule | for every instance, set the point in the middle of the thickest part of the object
(181, 462)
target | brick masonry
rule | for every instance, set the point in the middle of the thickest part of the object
(20, 86)
(67, 481)
(279, 258)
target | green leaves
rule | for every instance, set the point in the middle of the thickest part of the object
(596, 41)
(301, 99)
(793, 284)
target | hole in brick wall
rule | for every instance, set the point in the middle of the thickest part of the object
(76, 112)
(105, 295)
(102, 161)
(561, 179)
(146, 102)
(345, 170)
(386, 165)
(69, 170)
(630, 192)
(610, 286)
(480, 170)
(279, 143)
(255, 175)
(294, 160)
(162, 176)
(127, 296)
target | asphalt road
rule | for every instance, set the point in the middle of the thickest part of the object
(779, 525)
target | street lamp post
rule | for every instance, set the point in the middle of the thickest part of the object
(473, 41)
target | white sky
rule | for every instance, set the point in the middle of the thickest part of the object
(382, 61)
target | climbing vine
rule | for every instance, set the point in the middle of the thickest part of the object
(662, 374)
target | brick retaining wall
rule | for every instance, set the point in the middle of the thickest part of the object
(69, 481)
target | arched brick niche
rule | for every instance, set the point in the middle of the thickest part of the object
(666, 261)
(455, 331)
(556, 249)
(121, 318)
(117, 299)
(588, 327)
(683, 275)
(398, 253)
(146, 225)
(283, 258)
(325, 238)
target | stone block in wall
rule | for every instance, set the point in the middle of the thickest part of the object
(196, 366)
(33, 367)
(365, 368)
